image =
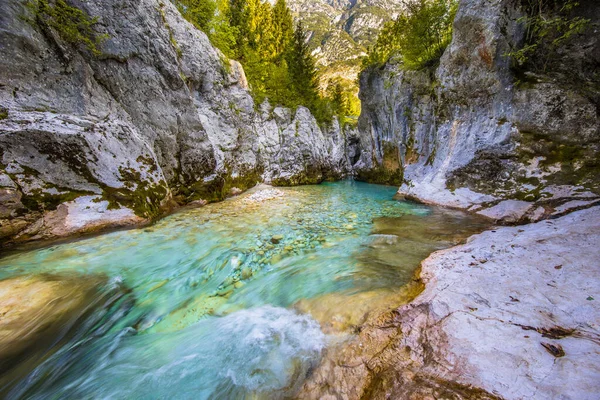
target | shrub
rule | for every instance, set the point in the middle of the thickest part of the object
(72, 24)
(548, 25)
(418, 36)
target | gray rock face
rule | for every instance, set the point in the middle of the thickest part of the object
(473, 133)
(159, 115)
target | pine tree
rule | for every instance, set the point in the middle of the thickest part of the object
(253, 22)
(222, 34)
(238, 20)
(265, 32)
(301, 68)
(275, 55)
(284, 27)
(339, 98)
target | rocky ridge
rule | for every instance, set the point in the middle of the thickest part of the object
(160, 118)
(476, 134)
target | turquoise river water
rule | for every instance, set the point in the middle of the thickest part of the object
(233, 300)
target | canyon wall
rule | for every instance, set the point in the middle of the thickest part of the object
(477, 133)
(159, 118)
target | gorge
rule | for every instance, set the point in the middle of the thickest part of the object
(329, 291)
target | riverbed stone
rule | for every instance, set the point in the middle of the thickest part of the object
(246, 273)
(38, 312)
(275, 239)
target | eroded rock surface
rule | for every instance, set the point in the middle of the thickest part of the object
(160, 118)
(512, 314)
(477, 132)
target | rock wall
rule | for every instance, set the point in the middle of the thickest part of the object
(160, 118)
(479, 135)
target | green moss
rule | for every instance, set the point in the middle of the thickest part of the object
(3, 113)
(484, 173)
(72, 24)
(172, 39)
(310, 176)
(431, 158)
(40, 199)
(579, 163)
(139, 195)
(219, 188)
(390, 172)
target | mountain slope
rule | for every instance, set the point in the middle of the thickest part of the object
(341, 31)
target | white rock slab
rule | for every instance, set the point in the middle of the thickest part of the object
(507, 211)
(483, 296)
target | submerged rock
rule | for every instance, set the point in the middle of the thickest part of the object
(39, 313)
(276, 239)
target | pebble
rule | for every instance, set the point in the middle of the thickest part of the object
(246, 273)
(264, 195)
(238, 285)
(226, 291)
(276, 239)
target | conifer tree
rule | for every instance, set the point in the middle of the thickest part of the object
(301, 68)
(339, 98)
(283, 25)
(238, 20)
(222, 34)
(275, 54)
(264, 34)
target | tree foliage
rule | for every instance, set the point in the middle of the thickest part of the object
(198, 12)
(72, 24)
(549, 24)
(275, 53)
(301, 65)
(418, 37)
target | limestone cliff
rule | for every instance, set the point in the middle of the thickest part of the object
(158, 117)
(480, 135)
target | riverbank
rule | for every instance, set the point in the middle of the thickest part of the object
(512, 314)
(77, 223)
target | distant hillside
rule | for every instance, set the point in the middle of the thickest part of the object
(341, 31)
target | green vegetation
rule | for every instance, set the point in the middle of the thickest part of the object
(275, 53)
(198, 12)
(344, 98)
(73, 25)
(549, 23)
(418, 37)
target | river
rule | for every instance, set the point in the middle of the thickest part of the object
(233, 300)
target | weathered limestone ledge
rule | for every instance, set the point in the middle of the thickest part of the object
(558, 200)
(514, 314)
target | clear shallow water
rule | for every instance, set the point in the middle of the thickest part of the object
(213, 293)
